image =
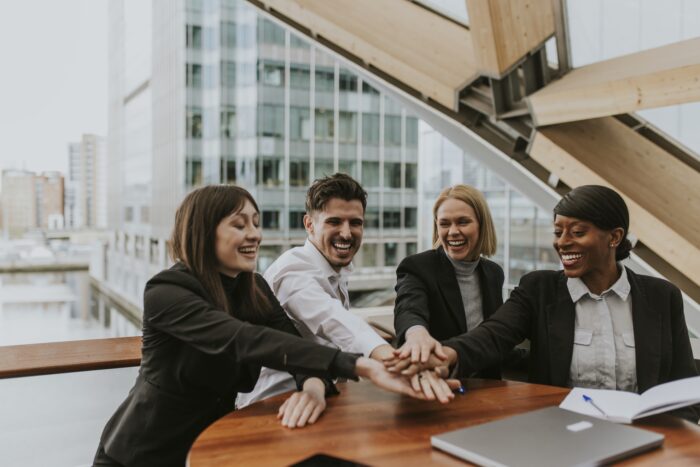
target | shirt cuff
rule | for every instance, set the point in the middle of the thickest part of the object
(367, 342)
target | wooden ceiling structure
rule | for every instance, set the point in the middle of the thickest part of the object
(573, 126)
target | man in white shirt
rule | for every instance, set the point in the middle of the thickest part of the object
(311, 281)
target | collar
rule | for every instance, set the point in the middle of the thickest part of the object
(464, 267)
(621, 287)
(320, 261)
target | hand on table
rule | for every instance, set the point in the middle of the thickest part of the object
(304, 406)
(433, 386)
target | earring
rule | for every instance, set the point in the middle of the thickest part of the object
(612, 245)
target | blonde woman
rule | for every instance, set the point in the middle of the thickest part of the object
(452, 288)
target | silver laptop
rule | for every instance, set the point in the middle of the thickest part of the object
(546, 437)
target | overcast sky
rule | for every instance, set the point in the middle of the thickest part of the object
(53, 83)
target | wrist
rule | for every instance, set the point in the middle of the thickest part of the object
(416, 331)
(315, 385)
(451, 355)
(364, 367)
(382, 352)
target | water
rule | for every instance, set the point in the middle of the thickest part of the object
(57, 306)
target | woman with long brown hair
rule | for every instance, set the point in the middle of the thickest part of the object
(209, 324)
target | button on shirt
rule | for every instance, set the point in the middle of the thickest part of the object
(604, 348)
(315, 296)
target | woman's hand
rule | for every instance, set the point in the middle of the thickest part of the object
(419, 346)
(406, 367)
(431, 384)
(304, 406)
(375, 372)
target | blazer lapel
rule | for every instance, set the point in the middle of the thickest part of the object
(447, 282)
(561, 320)
(647, 338)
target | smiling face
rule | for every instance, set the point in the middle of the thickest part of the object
(586, 251)
(238, 236)
(336, 231)
(457, 229)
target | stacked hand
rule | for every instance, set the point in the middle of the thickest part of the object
(304, 406)
(421, 352)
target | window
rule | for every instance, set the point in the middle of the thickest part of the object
(228, 74)
(392, 175)
(324, 168)
(194, 177)
(296, 219)
(193, 75)
(271, 121)
(411, 175)
(271, 220)
(372, 218)
(411, 248)
(391, 253)
(410, 217)
(193, 36)
(300, 124)
(269, 172)
(392, 130)
(129, 214)
(194, 122)
(369, 255)
(228, 124)
(228, 34)
(299, 78)
(298, 173)
(367, 89)
(347, 167)
(325, 80)
(370, 129)
(347, 127)
(347, 82)
(324, 125)
(270, 33)
(392, 218)
(272, 74)
(411, 132)
(228, 168)
(370, 174)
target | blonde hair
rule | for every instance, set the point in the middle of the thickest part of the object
(486, 245)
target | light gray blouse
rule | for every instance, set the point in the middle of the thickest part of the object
(604, 345)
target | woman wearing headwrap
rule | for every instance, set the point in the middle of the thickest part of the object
(596, 324)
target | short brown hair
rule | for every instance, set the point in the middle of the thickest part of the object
(338, 185)
(193, 241)
(486, 245)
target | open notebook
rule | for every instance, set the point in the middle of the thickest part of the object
(623, 407)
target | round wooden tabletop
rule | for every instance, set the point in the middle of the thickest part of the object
(367, 425)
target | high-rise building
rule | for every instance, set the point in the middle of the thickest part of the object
(49, 197)
(86, 186)
(18, 202)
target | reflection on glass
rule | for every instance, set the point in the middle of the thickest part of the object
(369, 255)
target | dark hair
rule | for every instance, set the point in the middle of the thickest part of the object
(193, 241)
(603, 207)
(338, 185)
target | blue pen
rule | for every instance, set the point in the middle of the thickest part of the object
(590, 401)
(461, 390)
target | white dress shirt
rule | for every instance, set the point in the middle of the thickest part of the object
(604, 348)
(315, 296)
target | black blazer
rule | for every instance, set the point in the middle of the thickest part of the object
(195, 360)
(427, 294)
(541, 309)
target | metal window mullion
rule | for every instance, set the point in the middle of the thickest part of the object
(336, 114)
(312, 114)
(284, 222)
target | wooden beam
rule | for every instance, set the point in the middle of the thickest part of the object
(413, 45)
(661, 192)
(663, 76)
(64, 357)
(505, 31)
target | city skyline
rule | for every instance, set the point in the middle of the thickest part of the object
(65, 45)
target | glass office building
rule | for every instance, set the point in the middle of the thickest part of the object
(231, 96)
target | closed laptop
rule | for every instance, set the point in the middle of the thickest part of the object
(546, 437)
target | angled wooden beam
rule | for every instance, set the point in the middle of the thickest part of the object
(505, 31)
(663, 76)
(64, 357)
(413, 45)
(661, 192)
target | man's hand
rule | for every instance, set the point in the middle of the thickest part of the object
(382, 352)
(408, 368)
(419, 346)
(375, 372)
(304, 406)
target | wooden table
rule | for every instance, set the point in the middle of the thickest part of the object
(367, 425)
